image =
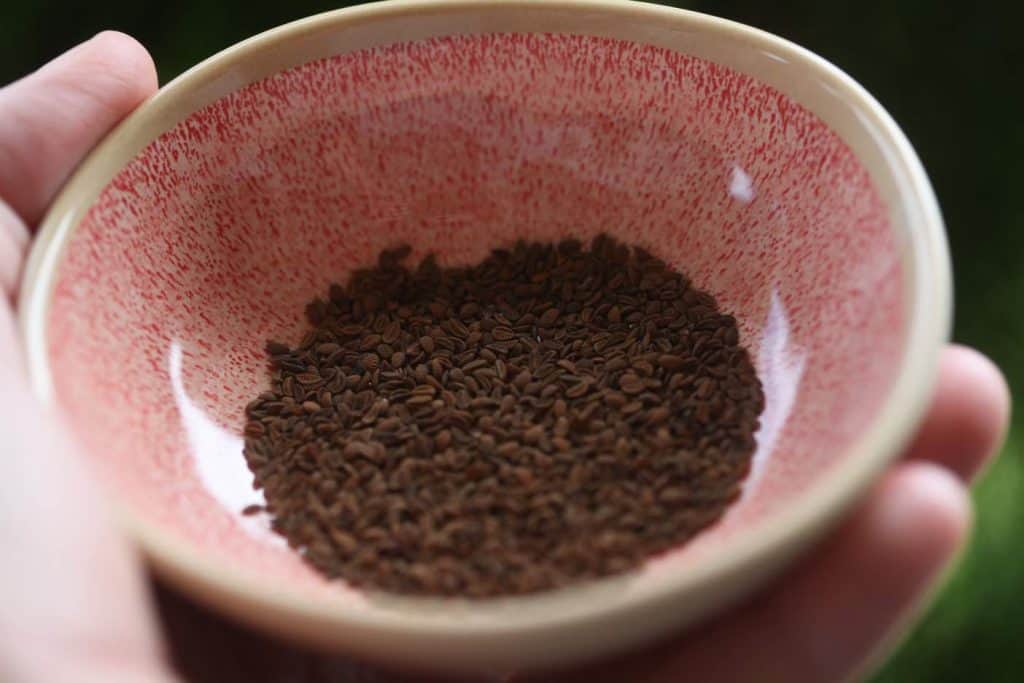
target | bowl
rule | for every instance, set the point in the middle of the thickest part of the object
(202, 225)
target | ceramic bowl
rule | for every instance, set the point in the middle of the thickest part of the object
(202, 225)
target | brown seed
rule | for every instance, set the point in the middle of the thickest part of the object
(670, 362)
(549, 317)
(327, 349)
(631, 386)
(254, 429)
(558, 408)
(370, 341)
(503, 334)
(525, 476)
(358, 449)
(659, 414)
(671, 495)
(391, 332)
(568, 411)
(577, 390)
(277, 348)
(561, 443)
(345, 543)
(533, 434)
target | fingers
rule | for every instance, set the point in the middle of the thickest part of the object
(13, 244)
(69, 583)
(969, 414)
(51, 118)
(825, 619)
(206, 648)
(48, 121)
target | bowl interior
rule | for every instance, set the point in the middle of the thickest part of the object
(213, 238)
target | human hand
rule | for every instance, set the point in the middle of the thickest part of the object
(73, 602)
(73, 599)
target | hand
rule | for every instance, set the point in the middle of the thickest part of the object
(73, 602)
(73, 598)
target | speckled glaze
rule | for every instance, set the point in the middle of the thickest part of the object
(152, 309)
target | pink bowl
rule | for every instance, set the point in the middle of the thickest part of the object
(202, 226)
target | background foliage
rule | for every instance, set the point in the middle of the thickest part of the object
(944, 70)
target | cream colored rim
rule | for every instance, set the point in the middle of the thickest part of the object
(793, 70)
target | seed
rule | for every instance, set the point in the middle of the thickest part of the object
(344, 542)
(670, 362)
(533, 434)
(671, 495)
(370, 341)
(631, 386)
(548, 318)
(567, 365)
(577, 390)
(525, 476)
(615, 364)
(277, 348)
(358, 449)
(391, 332)
(254, 430)
(554, 414)
(633, 407)
(659, 414)
(502, 334)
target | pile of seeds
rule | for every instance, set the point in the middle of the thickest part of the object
(550, 415)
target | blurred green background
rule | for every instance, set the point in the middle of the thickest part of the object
(947, 72)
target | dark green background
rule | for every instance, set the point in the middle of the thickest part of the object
(947, 75)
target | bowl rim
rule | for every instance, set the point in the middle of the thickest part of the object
(928, 322)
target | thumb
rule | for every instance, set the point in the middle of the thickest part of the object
(52, 117)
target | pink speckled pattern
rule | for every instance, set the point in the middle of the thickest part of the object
(214, 238)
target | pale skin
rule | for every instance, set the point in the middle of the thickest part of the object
(74, 603)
